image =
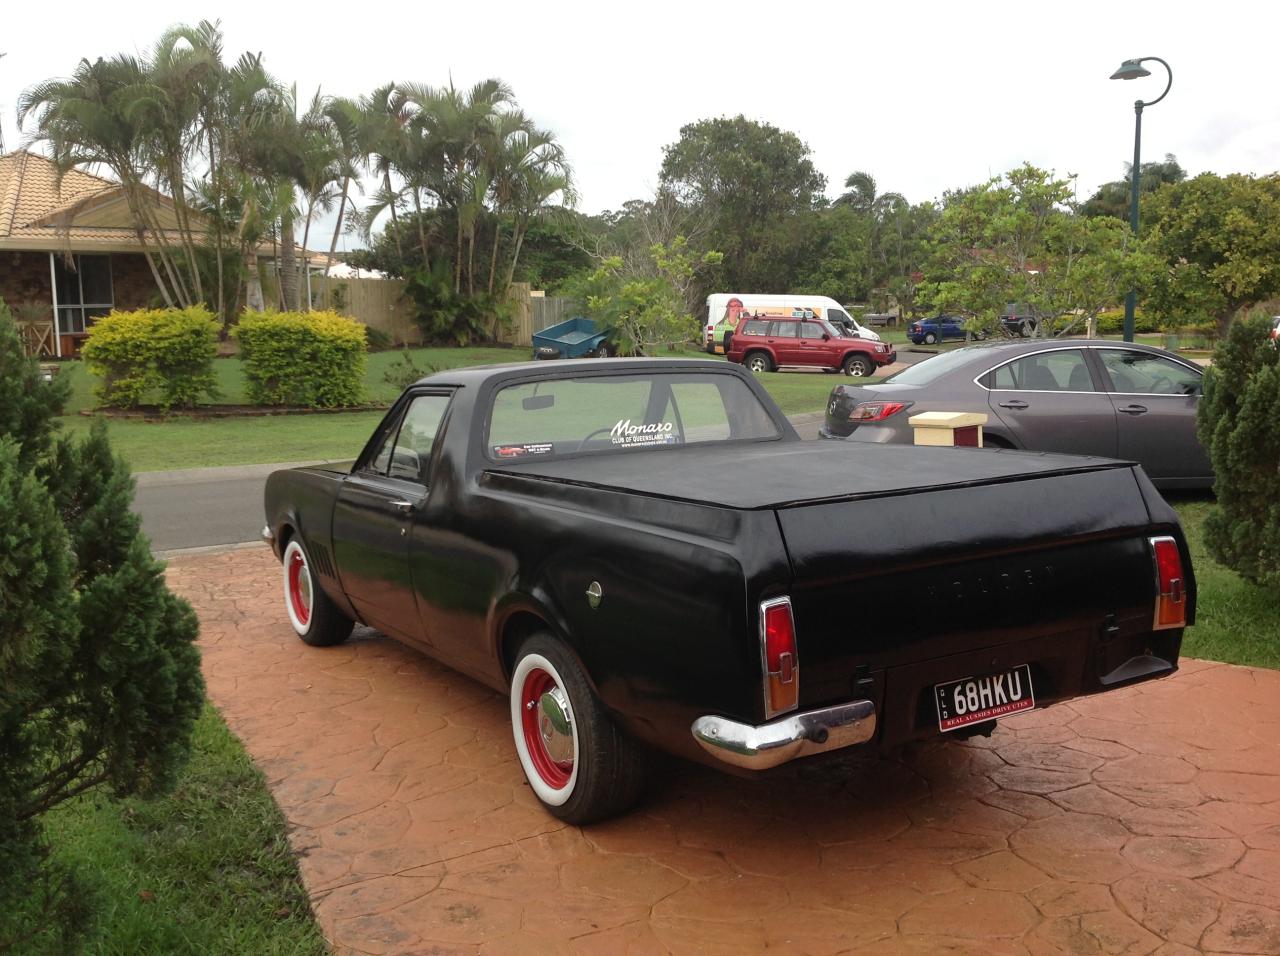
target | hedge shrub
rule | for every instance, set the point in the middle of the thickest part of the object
(1111, 322)
(302, 358)
(1239, 426)
(163, 355)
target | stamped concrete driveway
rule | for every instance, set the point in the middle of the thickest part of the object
(1144, 821)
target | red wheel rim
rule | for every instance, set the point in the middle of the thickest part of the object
(554, 773)
(301, 606)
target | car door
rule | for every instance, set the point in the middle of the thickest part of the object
(1051, 401)
(1155, 399)
(784, 336)
(951, 328)
(811, 347)
(374, 514)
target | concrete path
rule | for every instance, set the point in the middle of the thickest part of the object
(1145, 821)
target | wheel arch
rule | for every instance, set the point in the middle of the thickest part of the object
(519, 617)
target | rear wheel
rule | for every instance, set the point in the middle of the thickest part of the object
(578, 763)
(759, 362)
(315, 618)
(857, 366)
(930, 338)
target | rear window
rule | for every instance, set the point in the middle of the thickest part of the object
(755, 327)
(623, 413)
(932, 369)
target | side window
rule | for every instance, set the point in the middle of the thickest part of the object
(810, 330)
(410, 456)
(786, 330)
(1144, 373)
(378, 466)
(1063, 370)
(755, 327)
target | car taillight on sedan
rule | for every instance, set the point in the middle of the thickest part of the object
(875, 411)
(1171, 590)
(779, 657)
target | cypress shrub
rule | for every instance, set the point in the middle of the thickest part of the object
(28, 404)
(313, 359)
(1239, 424)
(162, 355)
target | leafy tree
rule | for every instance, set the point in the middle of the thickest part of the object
(1238, 424)
(1218, 240)
(753, 180)
(1113, 199)
(101, 679)
(1017, 241)
(28, 404)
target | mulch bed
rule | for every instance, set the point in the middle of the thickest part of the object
(152, 413)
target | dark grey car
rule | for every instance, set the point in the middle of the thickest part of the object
(1077, 396)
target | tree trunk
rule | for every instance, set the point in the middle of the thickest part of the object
(223, 316)
(254, 300)
(288, 265)
(457, 257)
(471, 261)
(342, 209)
(515, 255)
(493, 258)
(395, 220)
(306, 261)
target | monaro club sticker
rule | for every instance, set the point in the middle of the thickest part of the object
(656, 433)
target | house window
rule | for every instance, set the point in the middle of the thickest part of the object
(84, 291)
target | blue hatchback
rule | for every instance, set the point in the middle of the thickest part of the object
(939, 329)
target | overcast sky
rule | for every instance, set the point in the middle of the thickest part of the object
(924, 96)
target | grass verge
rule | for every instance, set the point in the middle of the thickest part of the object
(1236, 621)
(206, 869)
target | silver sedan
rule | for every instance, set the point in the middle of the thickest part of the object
(1075, 396)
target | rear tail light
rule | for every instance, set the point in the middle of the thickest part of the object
(1171, 589)
(779, 657)
(875, 411)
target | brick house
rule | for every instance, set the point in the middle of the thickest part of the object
(69, 251)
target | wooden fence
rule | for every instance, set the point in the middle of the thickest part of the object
(378, 303)
(532, 313)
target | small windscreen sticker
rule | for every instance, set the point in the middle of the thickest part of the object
(655, 433)
(519, 451)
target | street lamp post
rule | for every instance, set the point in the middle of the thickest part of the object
(1132, 70)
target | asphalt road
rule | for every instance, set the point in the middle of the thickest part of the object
(212, 507)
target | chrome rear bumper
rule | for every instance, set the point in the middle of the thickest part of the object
(796, 735)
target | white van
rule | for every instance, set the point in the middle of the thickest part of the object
(726, 309)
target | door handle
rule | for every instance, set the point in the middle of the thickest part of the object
(404, 507)
(1133, 409)
(1015, 403)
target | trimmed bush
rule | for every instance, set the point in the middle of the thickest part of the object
(1238, 424)
(1111, 322)
(28, 404)
(160, 355)
(314, 359)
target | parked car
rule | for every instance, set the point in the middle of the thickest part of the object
(939, 329)
(767, 344)
(1020, 320)
(1086, 397)
(643, 553)
(726, 311)
(1275, 328)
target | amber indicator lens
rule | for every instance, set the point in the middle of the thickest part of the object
(781, 662)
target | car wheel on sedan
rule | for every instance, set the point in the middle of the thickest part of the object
(857, 366)
(578, 763)
(930, 338)
(315, 618)
(759, 362)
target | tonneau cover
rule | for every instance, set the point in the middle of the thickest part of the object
(753, 475)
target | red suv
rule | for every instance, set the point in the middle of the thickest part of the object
(765, 344)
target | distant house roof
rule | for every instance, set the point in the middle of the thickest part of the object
(82, 213)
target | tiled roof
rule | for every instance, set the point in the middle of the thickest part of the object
(29, 190)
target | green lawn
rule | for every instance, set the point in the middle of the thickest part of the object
(1236, 621)
(183, 442)
(204, 870)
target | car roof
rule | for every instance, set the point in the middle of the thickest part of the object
(473, 375)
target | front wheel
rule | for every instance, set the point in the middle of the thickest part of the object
(759, 362)
(315, 618)
(578, 763)
(857, 366)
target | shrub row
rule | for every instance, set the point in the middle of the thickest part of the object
(164, 356)
(302, 358)
(1111, 322)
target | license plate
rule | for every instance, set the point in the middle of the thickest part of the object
(975, 699)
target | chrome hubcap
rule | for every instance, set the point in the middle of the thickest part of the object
(555, 725)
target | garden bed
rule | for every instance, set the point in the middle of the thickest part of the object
(153, 413)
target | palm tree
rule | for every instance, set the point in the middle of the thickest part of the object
(538, 186)
(345, 118)
(384, 142)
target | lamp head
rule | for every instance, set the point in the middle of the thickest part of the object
(1130, 70)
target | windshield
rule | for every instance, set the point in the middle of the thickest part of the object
(623, 413)
(932, 369)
